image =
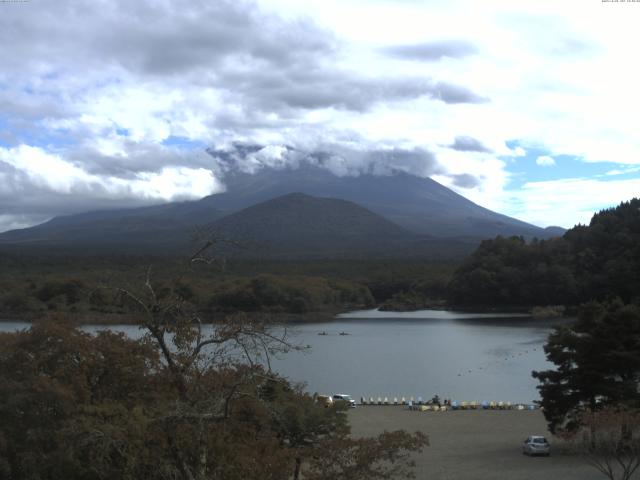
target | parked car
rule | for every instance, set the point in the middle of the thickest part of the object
(325, 400)
(536, 445)
(343, 397)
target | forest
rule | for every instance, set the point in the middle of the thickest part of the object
(598, 261)
(84, 288)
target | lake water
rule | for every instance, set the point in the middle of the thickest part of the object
(463, 356)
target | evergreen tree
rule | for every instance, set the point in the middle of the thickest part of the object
(598, 364)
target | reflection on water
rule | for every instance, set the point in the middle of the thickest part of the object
(429, 314)
(463, 356)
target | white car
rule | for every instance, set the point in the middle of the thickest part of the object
(536, 445)
(343, 397)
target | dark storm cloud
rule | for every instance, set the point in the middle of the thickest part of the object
(469, 144)
(432, 51)
(465, 180)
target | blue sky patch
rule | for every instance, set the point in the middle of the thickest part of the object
(525, 169)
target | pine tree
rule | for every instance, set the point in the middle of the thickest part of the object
(598, 364)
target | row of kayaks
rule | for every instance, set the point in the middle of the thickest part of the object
(450, 405)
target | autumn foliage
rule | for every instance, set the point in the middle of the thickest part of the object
(79, 406)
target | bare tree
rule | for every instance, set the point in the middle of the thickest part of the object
(609, 441)
(218, 375)
(194, 352)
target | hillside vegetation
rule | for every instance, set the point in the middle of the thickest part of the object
(32, 286)
(590, 262)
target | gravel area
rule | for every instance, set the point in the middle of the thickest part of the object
(475, 444)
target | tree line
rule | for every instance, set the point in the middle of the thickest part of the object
(592, 395)
(598, 261)
(31, 287)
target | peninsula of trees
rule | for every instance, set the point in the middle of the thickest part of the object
(598, 261)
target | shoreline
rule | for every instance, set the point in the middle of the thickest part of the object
(323, 316)
(133, 319)
(534, 311)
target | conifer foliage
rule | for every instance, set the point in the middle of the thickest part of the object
(595, 262)
(597, 364)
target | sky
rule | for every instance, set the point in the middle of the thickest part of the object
(529, 108)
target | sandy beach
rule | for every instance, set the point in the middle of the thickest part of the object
(475, 444)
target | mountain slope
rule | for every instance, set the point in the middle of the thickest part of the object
(297, 224)
(419, 204)
(154, 229)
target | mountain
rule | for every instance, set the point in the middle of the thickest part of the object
(294, 225)
(157, 228)
(301, 225)
(421, 207)
(555, 231)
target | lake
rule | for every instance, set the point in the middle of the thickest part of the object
(463, 356)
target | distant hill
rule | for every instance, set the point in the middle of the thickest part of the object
(426, 211)
(301, 225)
(554, 231)
(418, 204)
(156, 229)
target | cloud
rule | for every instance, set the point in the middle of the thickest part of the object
(123, 158)
(545, 161)
(344, 161)
(341, 160)
(432, 51)
(166, 58)
(253, 158)
(101, 90)
(469, 144)
(14, 222)
(452, 93)
(573, 46)
(623, 171)
(466, 180)
(38, 184)
(156, 38)
(567, 202)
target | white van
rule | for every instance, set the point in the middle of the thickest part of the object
(343, 397)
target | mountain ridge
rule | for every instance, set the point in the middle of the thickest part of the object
(418, 204)
(421, 208)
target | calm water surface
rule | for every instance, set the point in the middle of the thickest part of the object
(463, 356)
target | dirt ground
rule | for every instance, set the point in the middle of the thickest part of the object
(475, 444)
